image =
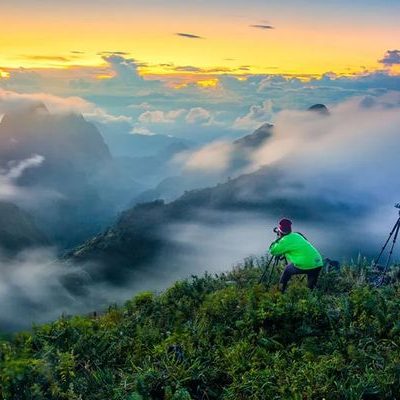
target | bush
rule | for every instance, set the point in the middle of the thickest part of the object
(219, 337)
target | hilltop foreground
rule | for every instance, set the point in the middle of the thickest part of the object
(220, 337)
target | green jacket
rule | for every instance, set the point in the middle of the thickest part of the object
(297, 250)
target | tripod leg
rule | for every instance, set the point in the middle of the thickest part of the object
(275, 264)
(382, 278)
(264, 274)
(393, 244)
(387, 241)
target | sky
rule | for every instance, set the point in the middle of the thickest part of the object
(152, 64)
(292, 36)
(209, 71)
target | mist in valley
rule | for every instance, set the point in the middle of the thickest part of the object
(335, 175)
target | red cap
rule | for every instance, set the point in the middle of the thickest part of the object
(285, 226)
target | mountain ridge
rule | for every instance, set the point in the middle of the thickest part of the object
(84, 187)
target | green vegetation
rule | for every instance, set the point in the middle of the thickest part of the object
(220, 337)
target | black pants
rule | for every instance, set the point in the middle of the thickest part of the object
(290, 270)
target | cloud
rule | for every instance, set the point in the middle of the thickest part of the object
(99, 115)
(11, 101)
(202, 71)
(264, 27)
(47, 58)
(125, 77)
(16, 170)
(198, 115)
(336, 154)
(141, 130)
(187, 68)
(118, 53)
(122, 82)
(214, 157)
(142, 106)
(9, 190)
(346, 155)
(217, 246)
(23, 77)
(36, 288)
(188, 35)
(257, 115)
(348, 159)
(272, 81)
(125, 70)
(160, 117)
(391, 57)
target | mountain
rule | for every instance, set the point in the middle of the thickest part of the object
(174, 186)
(18, 230)
(78, 188)
(145, 235)
(201, 220)
(66, 138)
(135, 145)
(319, 109)
(255, 139)
(148, 158)
(152, 168)
(219, 337)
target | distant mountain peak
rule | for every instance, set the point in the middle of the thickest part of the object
(35, 107)
(319, 108)
(257, 138)
(25, 112)
(39, 107)
(57, 136)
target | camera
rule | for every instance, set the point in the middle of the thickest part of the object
(275, 230)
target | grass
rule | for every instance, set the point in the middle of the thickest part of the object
(220, 337)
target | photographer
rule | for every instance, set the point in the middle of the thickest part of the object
(301, 255)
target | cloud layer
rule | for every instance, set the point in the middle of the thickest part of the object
(191, 102)
(348, 159)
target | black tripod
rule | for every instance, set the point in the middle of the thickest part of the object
(392, 236)
(271, 265)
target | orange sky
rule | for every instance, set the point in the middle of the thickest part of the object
(46, 37)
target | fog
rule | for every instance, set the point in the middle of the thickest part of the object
(347, 158)
(9, 190)
(217, 246)
(347, 161)
(36, 287)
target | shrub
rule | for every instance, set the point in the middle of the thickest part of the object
(219, 337)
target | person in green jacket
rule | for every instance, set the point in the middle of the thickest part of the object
(301, 255)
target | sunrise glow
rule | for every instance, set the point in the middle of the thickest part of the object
(301, 43)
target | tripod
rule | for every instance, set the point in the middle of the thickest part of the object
(274, 260)
(392, 236)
